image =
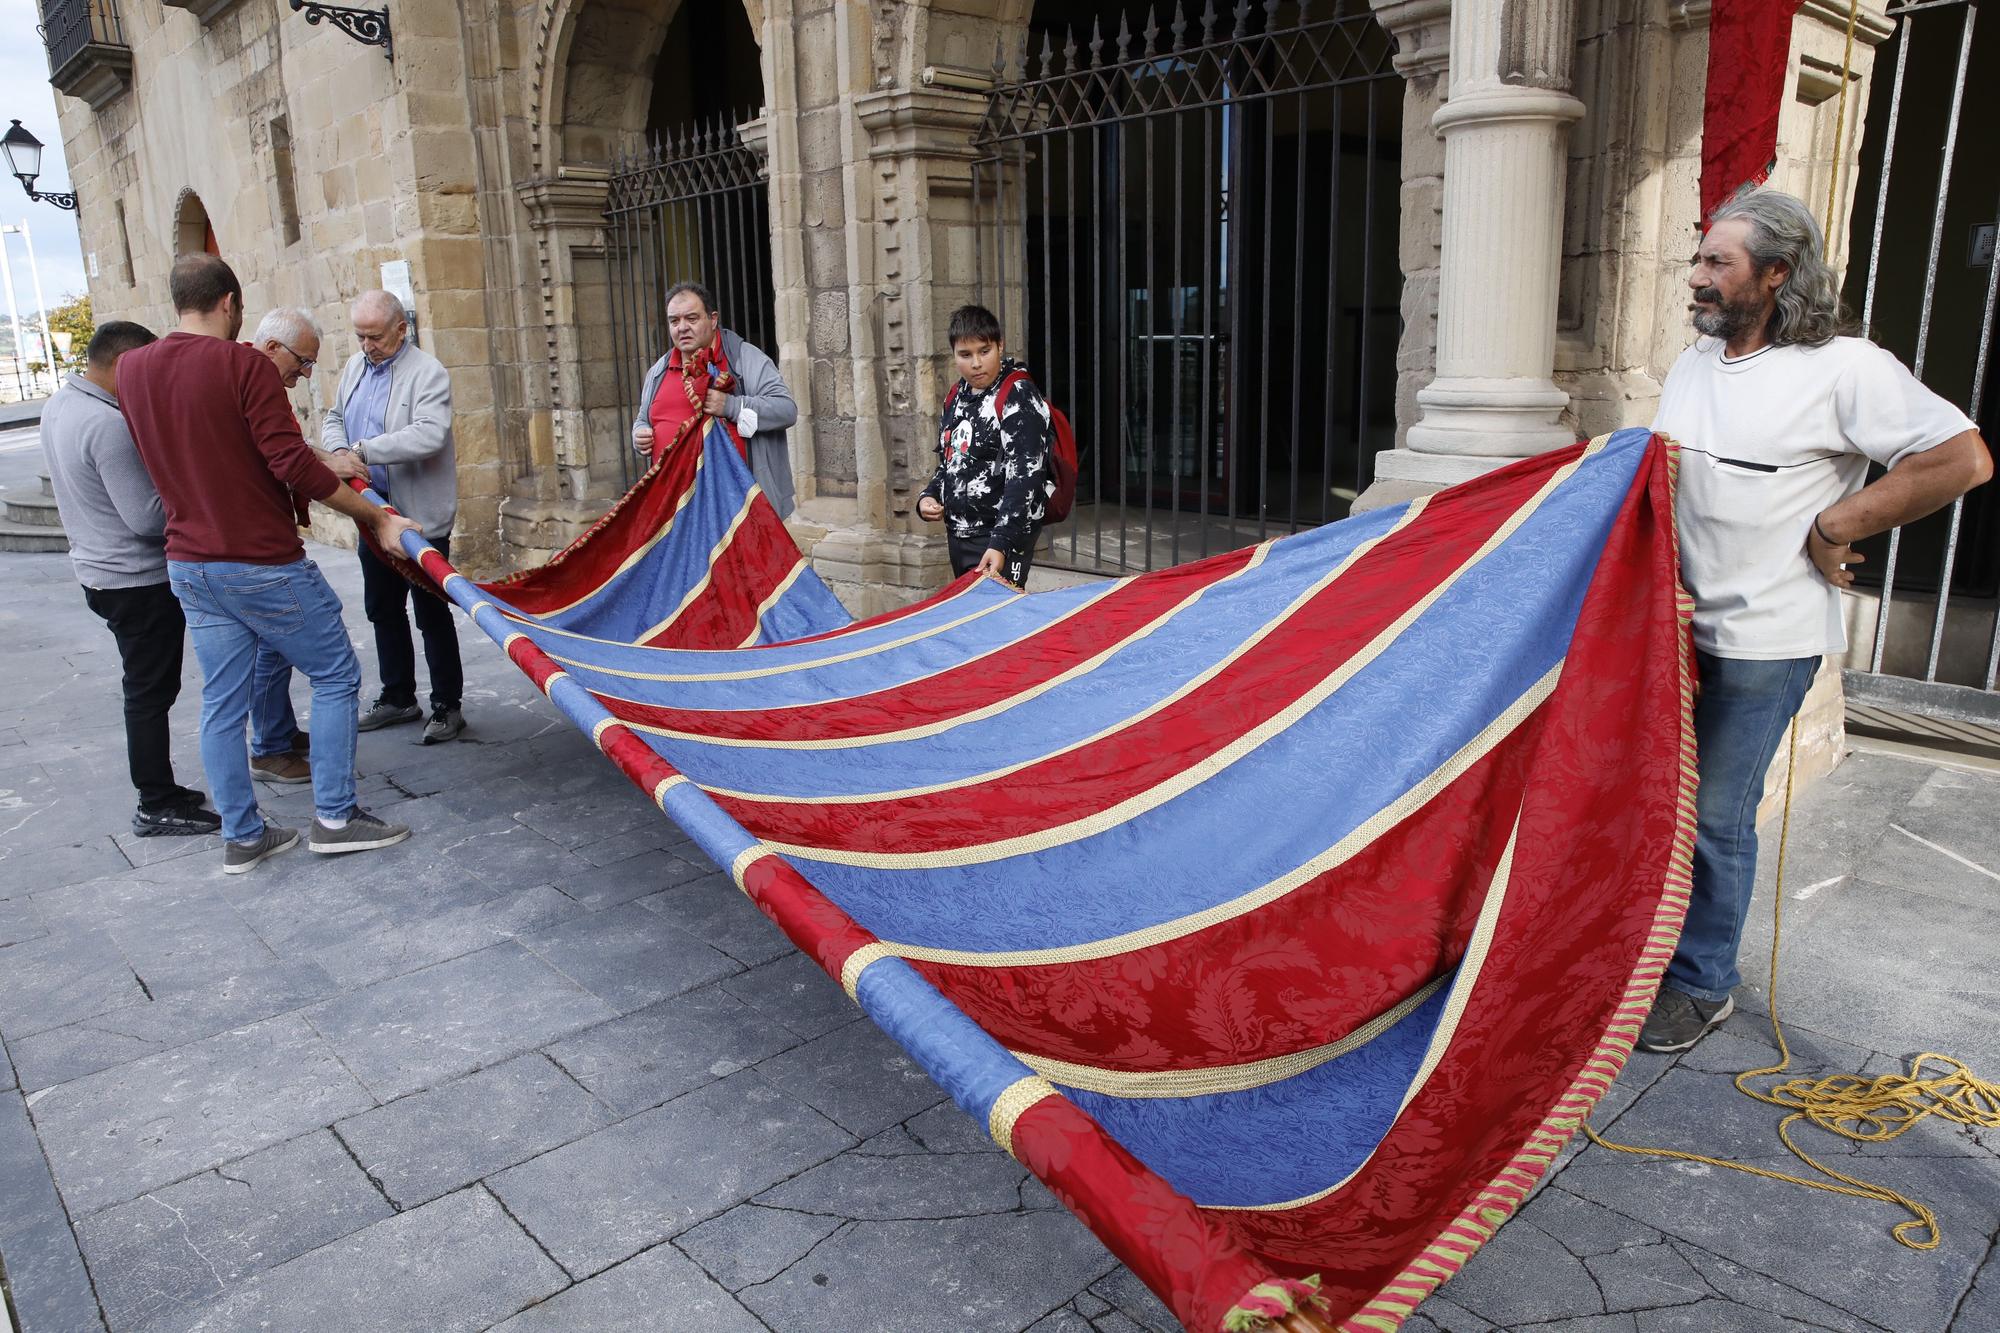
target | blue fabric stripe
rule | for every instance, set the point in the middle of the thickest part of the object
(1495, 633)
(958, 1054)
(1283, 1141)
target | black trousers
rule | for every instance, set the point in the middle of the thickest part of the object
(384, 594)
(967, 551)
(151, 632)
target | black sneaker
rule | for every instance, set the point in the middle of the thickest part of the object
(1678, 1020)
(187, 819)
(382, 713)
(238, 857)
(446, 724)
(363, 832)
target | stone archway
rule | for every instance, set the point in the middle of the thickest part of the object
(594, 99)
(193, 233)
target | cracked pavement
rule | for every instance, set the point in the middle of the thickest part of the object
(542, 1067)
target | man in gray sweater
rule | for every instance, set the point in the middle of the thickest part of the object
(117, 541)
(390, 425)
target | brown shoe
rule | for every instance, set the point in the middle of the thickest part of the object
(289, 767)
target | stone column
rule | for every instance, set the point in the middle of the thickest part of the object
(1505, 124)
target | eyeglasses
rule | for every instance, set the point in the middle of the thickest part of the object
(305, 362)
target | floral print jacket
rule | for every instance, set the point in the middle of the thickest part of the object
(993, 476)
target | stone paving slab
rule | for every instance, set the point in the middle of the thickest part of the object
(621, 1190)
(177, 1248)
(311, 1088)
(432, 1142)
(458, 1263)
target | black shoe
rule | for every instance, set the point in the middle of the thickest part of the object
(445, 725)
(237, 857)
(363, 832)
(382, 713)
(185, 819)
(1678, 1020)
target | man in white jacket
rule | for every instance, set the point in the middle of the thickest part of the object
(390, 425)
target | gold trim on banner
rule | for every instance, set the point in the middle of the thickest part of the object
(1013, 1103)
(785, 585)
(858, 962)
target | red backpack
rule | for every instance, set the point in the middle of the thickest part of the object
(1062, 448)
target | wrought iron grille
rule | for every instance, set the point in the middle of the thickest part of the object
(1195, 225)
(692, 206)
(68, 26)
(1928, 638)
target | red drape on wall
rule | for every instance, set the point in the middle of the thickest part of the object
(1749, 45)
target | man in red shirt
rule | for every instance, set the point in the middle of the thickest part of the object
(212, 424)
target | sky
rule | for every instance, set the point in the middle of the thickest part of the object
(25, 95)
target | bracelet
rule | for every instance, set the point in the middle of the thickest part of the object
(1822, 532)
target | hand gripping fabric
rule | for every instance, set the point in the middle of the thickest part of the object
(1283, 912)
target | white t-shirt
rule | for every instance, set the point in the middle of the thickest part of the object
(1768, 441)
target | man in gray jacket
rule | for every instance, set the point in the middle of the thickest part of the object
(390, 425)
(756, 401)
(117, 541)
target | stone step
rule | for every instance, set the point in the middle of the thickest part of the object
(34, 510)
(31, 537)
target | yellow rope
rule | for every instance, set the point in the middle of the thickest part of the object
(1840, 121)
(1861, 1110)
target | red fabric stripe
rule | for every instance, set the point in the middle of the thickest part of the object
(1297, 973)
(807, 916)
(758, 558)
(971, 685)
(1597, 829)
(1177, 1249)
(1749, 50)
(537, 665)
(1330, 628)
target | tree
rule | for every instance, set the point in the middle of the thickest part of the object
(72, 317)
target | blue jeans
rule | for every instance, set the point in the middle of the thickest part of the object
(273, 724)
(1739, 723)
(231, 610)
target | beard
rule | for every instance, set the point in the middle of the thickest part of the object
(1715, 317)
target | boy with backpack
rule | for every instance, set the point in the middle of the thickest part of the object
(1001, 454)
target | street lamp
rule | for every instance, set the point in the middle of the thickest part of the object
(24, 159)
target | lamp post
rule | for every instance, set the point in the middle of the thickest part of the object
(24, 160)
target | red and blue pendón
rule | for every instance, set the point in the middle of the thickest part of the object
(1283, 912)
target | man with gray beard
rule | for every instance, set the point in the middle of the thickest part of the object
(1778, 419)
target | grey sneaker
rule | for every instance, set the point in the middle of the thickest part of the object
(382, 713)
(445, 725)
(362, 833)
(1678, 1021)
(240, 857)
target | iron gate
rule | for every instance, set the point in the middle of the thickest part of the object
(1932, 644)
(692, 206)
(1195, 227)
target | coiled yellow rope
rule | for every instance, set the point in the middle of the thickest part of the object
(1861, 1110)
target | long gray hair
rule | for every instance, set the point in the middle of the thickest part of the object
(1782, 228)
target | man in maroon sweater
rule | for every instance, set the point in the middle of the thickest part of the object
(212, 425)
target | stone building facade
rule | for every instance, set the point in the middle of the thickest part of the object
(1548, 164)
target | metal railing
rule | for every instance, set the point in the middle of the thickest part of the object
(1950, 560)
(1194, 226)
(69, 26)
(692, 206)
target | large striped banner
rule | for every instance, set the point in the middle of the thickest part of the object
(1283, 912)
